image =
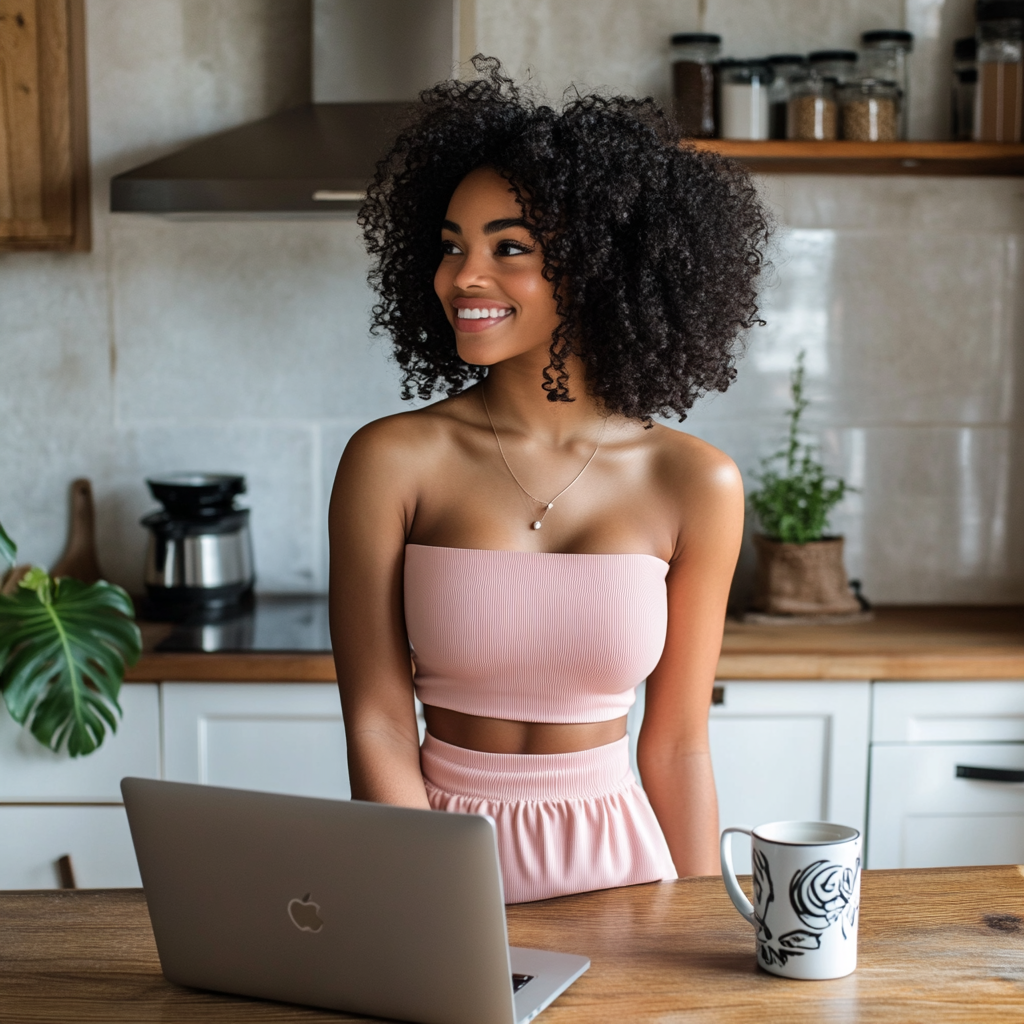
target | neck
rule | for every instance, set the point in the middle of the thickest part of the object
(518, 403)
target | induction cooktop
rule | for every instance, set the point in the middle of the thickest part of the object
(275, 622)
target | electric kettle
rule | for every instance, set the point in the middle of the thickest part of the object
(199, 561)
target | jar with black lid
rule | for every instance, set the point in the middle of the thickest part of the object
(743, 99)
(812, 112)
(999, 101)
(965, 82)
(885, 57)
(693, 82)
(785, 68)
(840, 65)
(869, 110)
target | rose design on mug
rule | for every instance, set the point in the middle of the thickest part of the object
(822, 893)
(764, 893)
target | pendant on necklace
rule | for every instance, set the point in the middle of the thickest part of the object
(535, 526)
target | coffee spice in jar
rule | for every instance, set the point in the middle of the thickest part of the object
(812, 109)
(870, 111)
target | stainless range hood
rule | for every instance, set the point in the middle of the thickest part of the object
(370, 59)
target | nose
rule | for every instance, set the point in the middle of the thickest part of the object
(474, 270)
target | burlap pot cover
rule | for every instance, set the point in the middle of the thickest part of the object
(801, 579)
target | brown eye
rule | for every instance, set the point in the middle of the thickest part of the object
(508, 247)
(450, 248)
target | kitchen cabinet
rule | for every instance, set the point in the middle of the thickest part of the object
(32, 774)
(34, 837)
(284, 738)
(44, 151)
(52, 804)
(784, 751)
(928, 807)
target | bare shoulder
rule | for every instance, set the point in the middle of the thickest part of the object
(694, 470)
(405, 439)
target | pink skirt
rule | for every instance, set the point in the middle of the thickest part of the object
(566, 822)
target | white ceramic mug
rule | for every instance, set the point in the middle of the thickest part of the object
(806, 878)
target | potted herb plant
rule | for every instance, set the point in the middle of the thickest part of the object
(800, 569)
(64, 647)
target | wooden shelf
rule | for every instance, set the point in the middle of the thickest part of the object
(937, 158)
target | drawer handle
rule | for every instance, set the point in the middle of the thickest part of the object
(967, 771)
(717, 694)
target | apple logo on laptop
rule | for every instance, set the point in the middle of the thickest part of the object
(304, 914)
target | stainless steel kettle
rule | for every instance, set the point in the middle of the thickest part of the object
(199, 561)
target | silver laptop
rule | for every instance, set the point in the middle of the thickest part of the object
(354, 906)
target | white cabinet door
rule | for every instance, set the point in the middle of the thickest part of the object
(275, 737)
(33, 839)
(962, 712)
(924, 815)
(29, 773)
(787, 751)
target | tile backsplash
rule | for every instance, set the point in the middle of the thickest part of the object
(242, 344)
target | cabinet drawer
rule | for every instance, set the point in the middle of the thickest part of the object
(279, 738)
(29, 773)
(97, 839)
(922, 815)
(948, 712)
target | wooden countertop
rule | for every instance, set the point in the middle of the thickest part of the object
(935, 642)
(936, 946)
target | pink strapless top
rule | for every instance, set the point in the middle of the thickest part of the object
(531, 636)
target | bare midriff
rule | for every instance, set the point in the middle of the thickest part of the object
(500, 736)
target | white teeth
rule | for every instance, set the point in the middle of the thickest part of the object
(475, 313)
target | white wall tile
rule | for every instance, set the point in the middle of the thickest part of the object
(253, 318)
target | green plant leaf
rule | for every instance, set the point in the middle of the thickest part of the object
(8, 551)
(64, 647)
(796, 495)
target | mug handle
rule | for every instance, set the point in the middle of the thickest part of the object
(736, 894)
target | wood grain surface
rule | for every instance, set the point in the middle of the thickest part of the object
(936, 946)
(844, 157)
(899, 643)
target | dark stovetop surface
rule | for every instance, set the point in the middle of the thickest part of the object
(277, 622)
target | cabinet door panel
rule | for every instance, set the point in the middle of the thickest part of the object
(786, 751)
(923, 815)
(280, 738)
(948, 712)
(29, 773)
(97, 839)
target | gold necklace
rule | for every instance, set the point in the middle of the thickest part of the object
(548, 505)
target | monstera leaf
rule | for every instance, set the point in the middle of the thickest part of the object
(64, 647)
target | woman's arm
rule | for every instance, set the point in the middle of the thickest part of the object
(673, 753)
(372, 502)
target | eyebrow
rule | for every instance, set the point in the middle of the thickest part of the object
(491, 227)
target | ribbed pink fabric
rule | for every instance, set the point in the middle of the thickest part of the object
(531, 636)
(566, 822)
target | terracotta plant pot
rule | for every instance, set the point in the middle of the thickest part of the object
(801, 579)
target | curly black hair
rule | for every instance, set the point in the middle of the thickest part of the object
(653, 249)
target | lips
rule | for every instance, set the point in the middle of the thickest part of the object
(475, 315)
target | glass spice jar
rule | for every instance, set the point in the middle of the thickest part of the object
(869, 110)
(965, 82)
(693, 82)
(999, 100)
(885, 57)
(811, 113)
(785, 67)
(838, 64)
(743, 100)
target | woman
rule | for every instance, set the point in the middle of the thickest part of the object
(542, 545)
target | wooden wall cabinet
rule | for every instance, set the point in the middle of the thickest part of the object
(44, 147)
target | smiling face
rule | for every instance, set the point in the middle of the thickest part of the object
(490, 278)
